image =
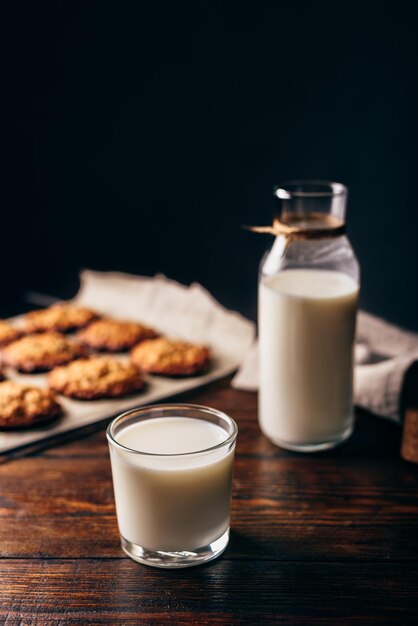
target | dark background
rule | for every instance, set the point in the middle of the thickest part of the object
(140, 136)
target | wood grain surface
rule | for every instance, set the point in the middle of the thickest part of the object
(329, 538)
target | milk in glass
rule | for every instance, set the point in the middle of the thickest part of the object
(172, 503)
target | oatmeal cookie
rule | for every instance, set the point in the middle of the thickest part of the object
(114, 335)
(42, 352)
(170, 358)
(62, 317)
(96, 377)
(22, 406)
(8, 333)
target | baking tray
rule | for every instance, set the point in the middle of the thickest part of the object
(188, 313)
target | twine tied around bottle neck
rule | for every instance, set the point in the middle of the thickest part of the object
(303, 226)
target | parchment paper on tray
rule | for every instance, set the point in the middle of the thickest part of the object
(177, 311)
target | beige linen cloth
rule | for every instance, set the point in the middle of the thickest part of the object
(383, 353)
(179, 311)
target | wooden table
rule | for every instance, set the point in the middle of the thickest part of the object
(329, 538)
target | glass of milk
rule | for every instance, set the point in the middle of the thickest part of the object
(172, 478)
(308, 293)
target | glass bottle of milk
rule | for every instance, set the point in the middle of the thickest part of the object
(308, 293)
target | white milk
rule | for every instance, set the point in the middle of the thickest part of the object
(172, 503)
(306, 334)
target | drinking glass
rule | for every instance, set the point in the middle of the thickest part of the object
(172, 470)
